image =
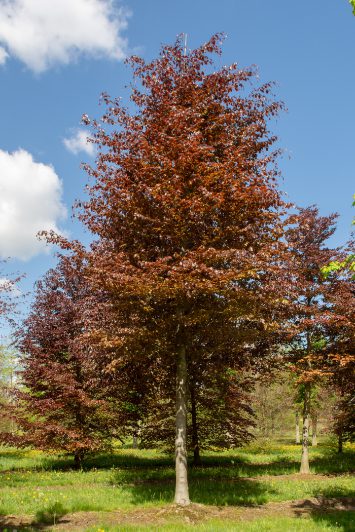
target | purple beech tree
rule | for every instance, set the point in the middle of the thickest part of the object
(185, 205)
(60, 405)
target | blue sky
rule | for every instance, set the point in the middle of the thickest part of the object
(57, 57)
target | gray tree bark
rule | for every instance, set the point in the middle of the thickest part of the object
(314, 430)
(305, 433)
(298, 440)
(181, 487)
(340, 442)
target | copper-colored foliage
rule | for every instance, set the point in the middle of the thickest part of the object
(321, 306)
(187, 213)
(190, 248)
(61, 404)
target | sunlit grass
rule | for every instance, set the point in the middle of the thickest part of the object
(335, 522)
(32, 483)
(114, 494)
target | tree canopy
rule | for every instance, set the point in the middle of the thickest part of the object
(198, 284)
(187, 212)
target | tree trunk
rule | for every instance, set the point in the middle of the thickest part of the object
(314, 431)
(135, 435)
(78, 459)
(195, 443)
(298, 440)
(12, 422)
(181, 487)
(305, 433)
(340, 442)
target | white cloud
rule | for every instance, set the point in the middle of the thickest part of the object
(30, 201)
(3, 55)
(78, 142)
(42, 33)
(9, 286)
(5, 284)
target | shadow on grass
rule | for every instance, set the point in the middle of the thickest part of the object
(50, 515)
(66, 462)
(8, 524)
(207, 486)
(343, 520)
(18, 460)
(152, 488)
(242, 492)
(324, 460)
(334, 506)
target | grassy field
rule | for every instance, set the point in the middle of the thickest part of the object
(252, 489)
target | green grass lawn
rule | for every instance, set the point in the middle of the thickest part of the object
(37, 484)
(336, 522)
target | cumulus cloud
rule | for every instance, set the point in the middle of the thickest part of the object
(30, 201)
(9, 286)
(78, 142)
(3, 56)
(42, 33)
(5, 284)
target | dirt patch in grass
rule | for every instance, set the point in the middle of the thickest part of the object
(299, 508)
(192, 514)
(198, 513)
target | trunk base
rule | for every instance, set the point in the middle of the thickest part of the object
(197, 462)
(78, 460)
(304, 470)
(182, 502)
(181, 487)
(340, 445)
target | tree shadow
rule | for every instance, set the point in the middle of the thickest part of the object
(11, 524)
(50, 515)
(326, 464)
(151, 488)
(344, 520)
(241, 492)
(98, 461)
(245, 468)
(329, 461)
(326, 460)
(322, 463)
(39, 463)
(127, 461)
(334, 506)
